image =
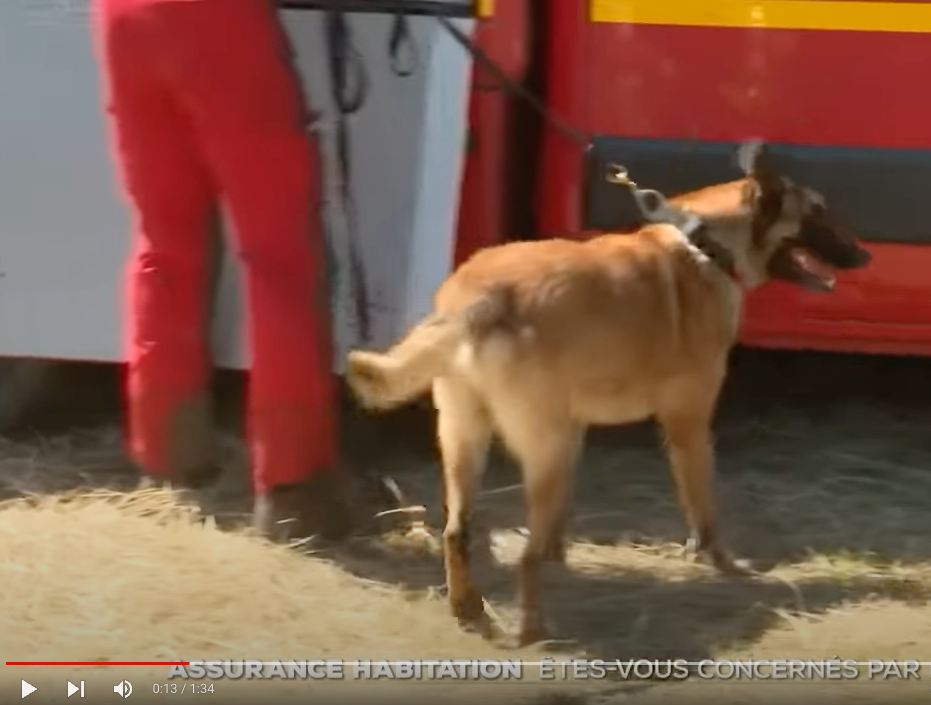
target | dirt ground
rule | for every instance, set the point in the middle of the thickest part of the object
(824, 482)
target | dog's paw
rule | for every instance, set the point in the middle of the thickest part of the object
(726, 564)
(719, 558)
(531, 634)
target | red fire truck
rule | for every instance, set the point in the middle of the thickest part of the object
(669, 87)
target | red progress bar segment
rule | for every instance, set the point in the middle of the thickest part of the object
(98, 663)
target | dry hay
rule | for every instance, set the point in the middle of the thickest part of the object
(42, 464)
(139, 576)
(834, 498)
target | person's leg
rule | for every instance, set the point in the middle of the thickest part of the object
(233, 59)
(170, 196)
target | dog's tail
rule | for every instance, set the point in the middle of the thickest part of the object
(383, 381)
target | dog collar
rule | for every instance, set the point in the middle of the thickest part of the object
(714, 251)
(655, 208)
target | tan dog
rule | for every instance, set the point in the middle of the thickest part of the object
(539, 340)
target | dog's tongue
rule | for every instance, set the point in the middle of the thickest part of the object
(811, 264)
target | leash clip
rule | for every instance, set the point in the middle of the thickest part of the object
(617, 174)
(656, 209)
(653, 206)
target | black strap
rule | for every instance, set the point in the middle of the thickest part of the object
(349, 87)
(401, 42)
(573, 134)
(347, 71)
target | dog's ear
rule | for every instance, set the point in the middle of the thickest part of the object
(755, 161)
(750, 154)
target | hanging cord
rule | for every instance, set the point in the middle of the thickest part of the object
(401, 46)
(349, 84)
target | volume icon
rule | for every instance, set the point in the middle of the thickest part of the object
(124, 689)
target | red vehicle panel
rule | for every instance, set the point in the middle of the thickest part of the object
(492, 193)
(669, 87)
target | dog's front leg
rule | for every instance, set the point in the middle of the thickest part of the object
(691, 455)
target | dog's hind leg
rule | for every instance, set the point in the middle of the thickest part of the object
(555, 548)
(547, 452)
(464, 432)
(686, 421)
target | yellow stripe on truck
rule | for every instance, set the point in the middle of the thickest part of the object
(771, 14)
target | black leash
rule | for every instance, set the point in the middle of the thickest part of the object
(651, 205)
(570, 132)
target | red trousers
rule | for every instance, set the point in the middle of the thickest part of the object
(204, 107)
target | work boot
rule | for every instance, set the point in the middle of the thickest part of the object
(192, 461)
(183, 496)
(331, 505)
(190, 478)
(193, 456)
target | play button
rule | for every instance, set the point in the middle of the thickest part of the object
(28, 689)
